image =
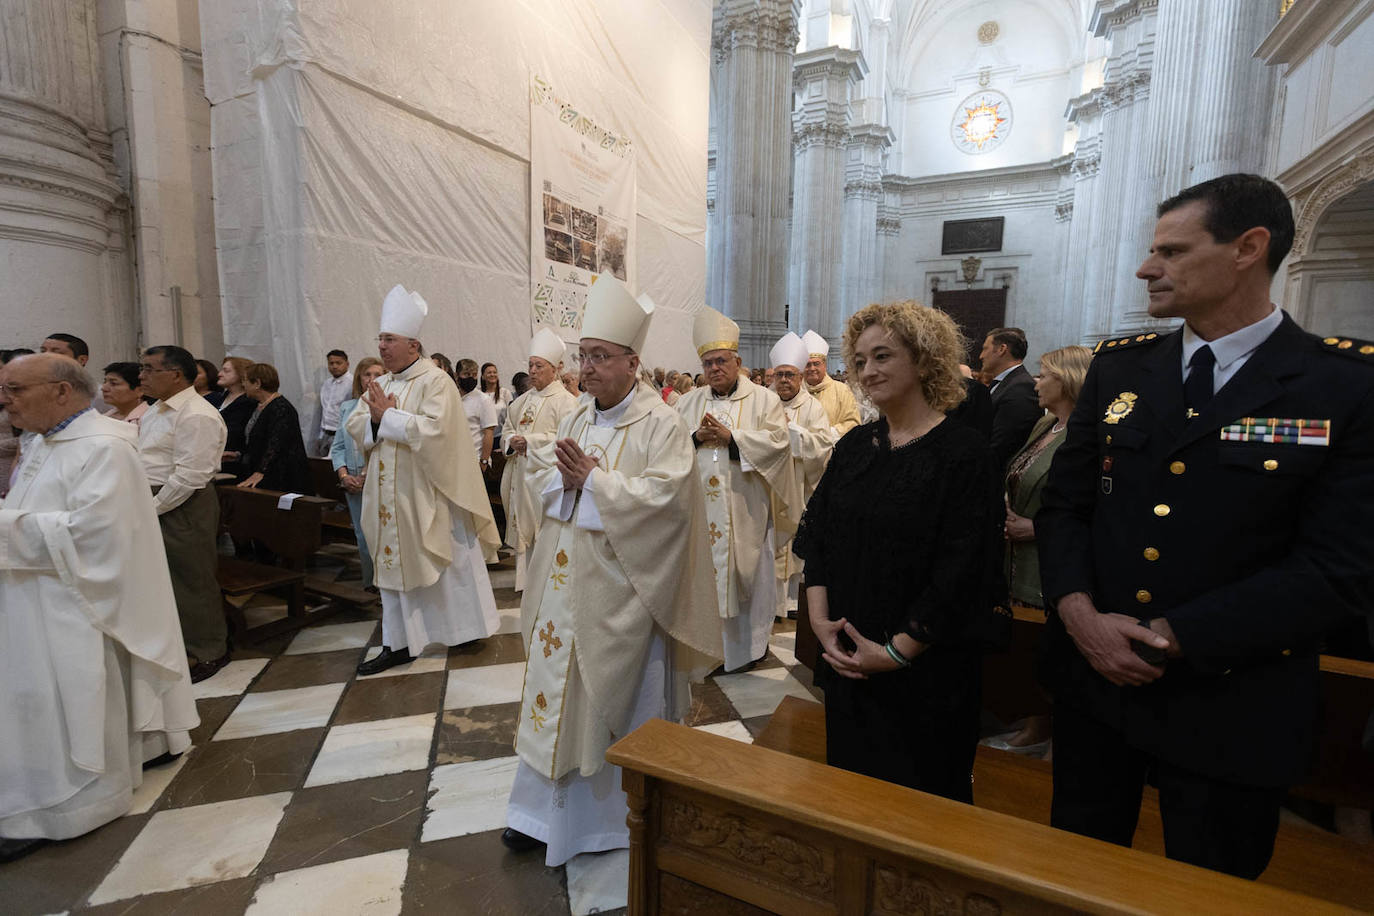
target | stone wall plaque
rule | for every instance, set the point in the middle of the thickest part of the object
(964, 236)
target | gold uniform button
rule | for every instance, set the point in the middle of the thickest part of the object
(1151, 554)
(1109, 440)
(1143, 596)
(1345, 345)
(1177, 467)
(1366, 349)
(1287, 652)
(1271, 464)
(1162, 510)
(1331, 341)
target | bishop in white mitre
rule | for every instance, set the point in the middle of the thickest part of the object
(812, 439)
(426, 514)
(619, 611)
(753, 496)
(94, 670)
(839, 402)
(531, 423)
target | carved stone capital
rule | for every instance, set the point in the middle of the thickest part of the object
(806, 134)
(761, 25)
(1063, 212)
(889, 226)
(863, 190)
(1113, 14)
(1086, 166)
(839, 64)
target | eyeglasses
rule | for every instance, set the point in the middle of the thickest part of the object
(786, 376)
(596, 359)
(13, 390)
(716, 363)
(144, 367)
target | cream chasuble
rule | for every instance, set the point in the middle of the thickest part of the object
(534, 415)
(839, 403)
(618, 566)
(94, 669)
(748, 504)
(813, 439)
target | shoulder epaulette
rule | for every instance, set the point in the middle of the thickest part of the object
(1122, 343)
(1362, 350)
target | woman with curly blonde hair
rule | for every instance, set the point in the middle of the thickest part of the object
(902, 546)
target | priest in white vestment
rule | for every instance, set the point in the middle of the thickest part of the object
(94, 669)
(839, 402)
(619, 611)
(531, 423)
(426, 515)
(812, 438)
(752, 495)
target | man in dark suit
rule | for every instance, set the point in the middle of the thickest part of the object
(1204, 525)
(1015, 408)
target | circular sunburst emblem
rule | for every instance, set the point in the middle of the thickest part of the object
(981, 122)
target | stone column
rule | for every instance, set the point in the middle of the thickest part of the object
(751, 88)
(824, 79)
(863, 192)
(62, 213)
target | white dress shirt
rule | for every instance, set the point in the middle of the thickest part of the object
(481, 415)
(1234, 349)
(181, 441)
(332, 395)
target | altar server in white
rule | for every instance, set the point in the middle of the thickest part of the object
(839, 402)
(753, 497)
(93, 676)
(619, 610)
(812, 438)
(426, 515)
(531, 423)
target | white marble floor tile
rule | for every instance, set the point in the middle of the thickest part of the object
(231, 680)
(598, 881)
(784, 647)
(435, 658)
(758, 692)
(366, 886)
(332, 637)
(468, 798)
(188, 847)
(502, 578)
(732, 729)
(510, 620)
(155, 782)
(485, 685)
(280, 711)
(364, 749)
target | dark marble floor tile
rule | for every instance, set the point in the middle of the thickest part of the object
(221, 770)
(494, 650)
(391, 697)
(769, 660)
(348, 820)
(477, 733)
(355, 614)
(288, 672)
(61, 875)
(477, 875)
(710, 705)
(225, 898)
(784, 626)
(757, 724)
(213, 711)
(803, 674)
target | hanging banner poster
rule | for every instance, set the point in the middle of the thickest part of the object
(582, 203)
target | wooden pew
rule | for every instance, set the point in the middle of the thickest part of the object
(336, 522)
(717, 826)
(292, 534)
(1306, 861)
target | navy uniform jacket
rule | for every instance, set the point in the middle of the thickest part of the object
(1251, 550)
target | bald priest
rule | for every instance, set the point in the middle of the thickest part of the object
(93, 668)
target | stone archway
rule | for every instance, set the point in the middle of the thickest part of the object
(1331, 275)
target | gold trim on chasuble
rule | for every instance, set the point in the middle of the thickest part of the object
(717, 499)
(389, 558)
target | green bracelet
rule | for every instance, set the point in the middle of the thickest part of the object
(896, 656)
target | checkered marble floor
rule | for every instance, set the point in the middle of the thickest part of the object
(312, 790)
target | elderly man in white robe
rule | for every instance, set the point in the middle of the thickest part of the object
(95, 673)
(531, 423)
(753, 497)
(812, 438)
(426, 515)
(620, 611)
(839, 402)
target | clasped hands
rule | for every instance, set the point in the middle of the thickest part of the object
(1105, 640)
(378, 401)
(868, 657)
(713, 433)
(518, 445)
(574, 464)
(353, 483)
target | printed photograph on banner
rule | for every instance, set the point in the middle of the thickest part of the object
(556, 213)
(558, 246)
(585, 257)
(610, 248)
(584, 224)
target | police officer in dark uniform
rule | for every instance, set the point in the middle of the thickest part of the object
(1205, 523)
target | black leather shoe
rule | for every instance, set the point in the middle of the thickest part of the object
(17, 849)
(388, 659)
(519, 842)
(161, 760)
(202, 670)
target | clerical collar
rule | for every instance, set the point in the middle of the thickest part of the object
(65, 423)
(613, 414)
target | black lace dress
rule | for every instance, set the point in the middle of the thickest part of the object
(276, 449)
(907, 540)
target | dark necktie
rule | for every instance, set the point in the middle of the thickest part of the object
(1197, 388)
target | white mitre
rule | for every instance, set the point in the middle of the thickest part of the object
(790, 351)
(613, 314)
(713, 331)
(403, 313)
(816, 345)
(548, 346)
